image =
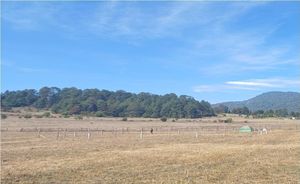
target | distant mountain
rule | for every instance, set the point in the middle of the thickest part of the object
(270, 100)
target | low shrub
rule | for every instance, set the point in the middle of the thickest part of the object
(47, 114)
(99, 114)
(3, 116)
(38, 116)
(228, 120)
(78, 117)
(27, 116)
(163, 119)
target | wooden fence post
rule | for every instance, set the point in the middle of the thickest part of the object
(39, 133)
(89, 134)
(141, 134)
(57, 136)
(116, 132)
(65, 133)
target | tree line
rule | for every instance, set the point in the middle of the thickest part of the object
(70, 101)
(258, 113)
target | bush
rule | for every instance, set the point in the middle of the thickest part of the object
(173, 120)
(163, 119)
(124, 119)
(38, 116)
(228, 120)
(47, 114)
(99, 114)
(3, 116)
(66, 116)
(27, 116)
(79, 117)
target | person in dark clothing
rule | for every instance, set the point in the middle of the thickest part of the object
(151, 130)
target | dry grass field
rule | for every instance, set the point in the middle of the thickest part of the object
(185, 151)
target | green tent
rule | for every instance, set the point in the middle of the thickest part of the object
(246, 129)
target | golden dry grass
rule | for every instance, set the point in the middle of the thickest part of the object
(163, 157)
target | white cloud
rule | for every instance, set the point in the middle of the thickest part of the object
(252, 84)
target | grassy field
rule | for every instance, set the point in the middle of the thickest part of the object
(185, 151)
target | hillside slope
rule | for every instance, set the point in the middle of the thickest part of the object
(270, 100)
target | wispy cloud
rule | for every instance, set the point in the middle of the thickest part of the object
(252, 84)
(221, 48)
(23, 69)
(242, 50)
(220, 88)
(28, 15)
(104, 19)
(32, 70)
(130, 21)
(208, 88)
(245, 51)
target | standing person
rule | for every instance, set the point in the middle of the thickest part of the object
(151, 130)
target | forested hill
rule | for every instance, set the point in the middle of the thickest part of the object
(268, 101)
(106, 103)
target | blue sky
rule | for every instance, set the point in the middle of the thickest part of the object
(216, 51)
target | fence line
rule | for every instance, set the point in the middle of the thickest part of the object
(223, 129)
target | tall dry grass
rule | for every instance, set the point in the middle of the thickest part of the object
(159, 158)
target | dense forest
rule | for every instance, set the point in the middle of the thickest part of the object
(96, 102)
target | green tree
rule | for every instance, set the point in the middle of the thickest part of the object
(109, 103)
(221, 109)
